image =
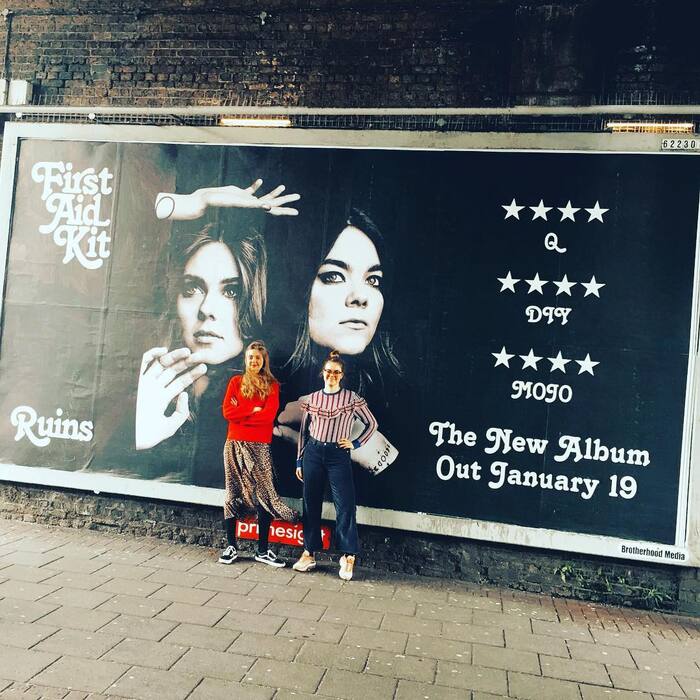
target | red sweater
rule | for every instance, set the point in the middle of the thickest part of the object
(243, 424)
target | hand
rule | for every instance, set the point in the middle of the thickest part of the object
(299, 474)
(192, 206)
(345, 443)
(289, 421)
(233, 401)
(163, 376)
(257, 409)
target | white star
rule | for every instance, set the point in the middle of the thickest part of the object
(587, 365)
(563, 285)
(540, 211)
(502, 358)
(507, 282)
(596, 213)
(568, 211)
(558, 362)
(536, 284)
(512, 209)
(592, 287)
(530, 360)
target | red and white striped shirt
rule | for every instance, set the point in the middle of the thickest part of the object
(329, 417)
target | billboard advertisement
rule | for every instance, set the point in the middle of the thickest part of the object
(522, 324)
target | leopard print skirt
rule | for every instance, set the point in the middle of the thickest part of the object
(249, 479)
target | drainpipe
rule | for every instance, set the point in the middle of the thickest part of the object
(7, 14)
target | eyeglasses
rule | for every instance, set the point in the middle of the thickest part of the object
(333, 372)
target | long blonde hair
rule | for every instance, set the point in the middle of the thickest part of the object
(261, 382)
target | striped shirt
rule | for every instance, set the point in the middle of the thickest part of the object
(330, 417)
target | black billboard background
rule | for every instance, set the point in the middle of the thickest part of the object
(73, 338)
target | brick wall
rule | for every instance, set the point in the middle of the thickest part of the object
(366, 53)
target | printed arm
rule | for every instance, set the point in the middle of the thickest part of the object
(230, 408)
(303, 436)
(363, 414)
(184, 207)
(269, 409)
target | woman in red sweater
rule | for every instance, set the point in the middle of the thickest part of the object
(250, 407)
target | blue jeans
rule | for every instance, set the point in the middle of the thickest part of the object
(325, 460)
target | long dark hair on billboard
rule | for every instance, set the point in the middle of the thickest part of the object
(344, 303)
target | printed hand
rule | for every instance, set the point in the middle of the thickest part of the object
(192, 206)
(163, 376)
(289, 421)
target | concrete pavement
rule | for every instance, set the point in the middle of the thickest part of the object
(94, 615)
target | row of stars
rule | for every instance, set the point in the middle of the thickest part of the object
(563, 285)
(530, 360)
(595, 213)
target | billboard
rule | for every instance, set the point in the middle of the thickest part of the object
(522, 324)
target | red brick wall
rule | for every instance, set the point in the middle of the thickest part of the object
(366, 53)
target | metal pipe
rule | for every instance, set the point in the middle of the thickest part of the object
(253, 111)
(7, 14)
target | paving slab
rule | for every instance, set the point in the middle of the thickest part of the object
(343, 657)
(376, 639)
(88, 645)
(81, 674)
(25, 590)
(601, 653)
(266, 646)
(353, 616)
(527, 687)
(153, 684)
(394, 622)
(413, 668)
(439, 648)
(490, 680)
(23, 634)
(133, 587)
(248, 603)
(574, 670)
(353, 686)
(22, 664)
(78, 598)
(249, 622)
(194, 614)
(78, 618)
(140, 627)
(411, 690)
(202, 637)
(283, 674)
(648, 681)
(18, 610)
(214, 664)
(216, 689)
(143, 652)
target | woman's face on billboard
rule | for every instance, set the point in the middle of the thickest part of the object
(207, 304)
(346, 299)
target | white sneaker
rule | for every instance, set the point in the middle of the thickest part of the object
(229, 555)
(347, 565)
(306, 562)
(270, 558)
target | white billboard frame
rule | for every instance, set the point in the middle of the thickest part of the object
(686, 549)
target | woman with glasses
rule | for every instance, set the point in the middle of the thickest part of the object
(324, 454)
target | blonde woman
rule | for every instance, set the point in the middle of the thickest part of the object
(250, 407)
